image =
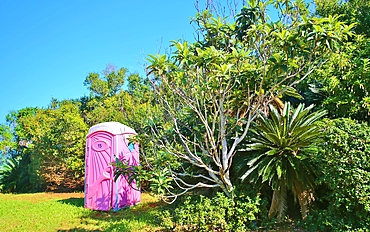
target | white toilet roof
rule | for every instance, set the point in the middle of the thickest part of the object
(115, 128)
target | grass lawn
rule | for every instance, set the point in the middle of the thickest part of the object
(65, 212)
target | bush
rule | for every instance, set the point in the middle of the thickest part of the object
(343, 163)
(218, 213)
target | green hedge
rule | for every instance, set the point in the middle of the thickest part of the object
(343, 162)
(217, 213)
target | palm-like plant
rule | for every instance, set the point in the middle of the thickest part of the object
(14, 176)
(9, 175)
(281, 142)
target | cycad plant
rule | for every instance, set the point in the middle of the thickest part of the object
(282, 143)
(14, 177)
(9, 175)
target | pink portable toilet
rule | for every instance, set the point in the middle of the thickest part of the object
(105, 143)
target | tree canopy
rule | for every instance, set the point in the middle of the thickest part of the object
(211, 90)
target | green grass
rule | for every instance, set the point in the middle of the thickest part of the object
(65, 212)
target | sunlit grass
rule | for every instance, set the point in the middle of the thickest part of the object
(65, 212)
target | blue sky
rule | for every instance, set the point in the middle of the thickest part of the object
(47, 48)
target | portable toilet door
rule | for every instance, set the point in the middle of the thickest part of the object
(105, 143)
(125, 194)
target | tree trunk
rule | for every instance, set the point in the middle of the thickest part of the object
(279, 202)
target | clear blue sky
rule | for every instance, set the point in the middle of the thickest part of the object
(47, 48)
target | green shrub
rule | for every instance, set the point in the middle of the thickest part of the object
(343, 163)
(218, 213)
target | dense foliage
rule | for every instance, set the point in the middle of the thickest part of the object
(210, 91)
(13, 177)
(342, 85)
(343, 162)
(57, 149)
(217, 213)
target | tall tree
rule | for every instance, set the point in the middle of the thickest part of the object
(211, 90)
(342, 85)
(58, 144)
(126, 106)
(15, 175)
(351, 11)
(109, 84)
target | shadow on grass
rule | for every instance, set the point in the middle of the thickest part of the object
(142, 217)
(80, 230)
(78, 202)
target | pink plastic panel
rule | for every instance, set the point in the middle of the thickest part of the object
(98, 171)
(128, 153)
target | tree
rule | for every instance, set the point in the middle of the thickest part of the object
(58, 145)
(343, 82)
(351, 11)
(343, 165)
(14, 120)
(109, 84)
(110, 108)
(115, 104)
(281, 144)
(15, 175)
(210, 91)
(6, 142)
